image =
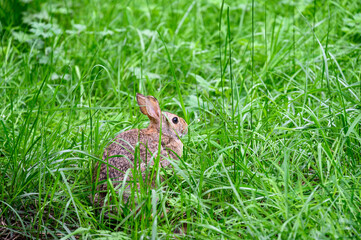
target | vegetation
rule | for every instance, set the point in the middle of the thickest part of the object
(270, 89)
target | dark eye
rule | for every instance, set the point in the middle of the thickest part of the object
(175, 120)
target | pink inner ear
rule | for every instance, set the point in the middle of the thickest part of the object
(153, 108)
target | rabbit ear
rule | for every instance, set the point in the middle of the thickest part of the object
(149, 106)
(142, 102)
(153, 108)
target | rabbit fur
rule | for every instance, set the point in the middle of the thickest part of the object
(173, 128)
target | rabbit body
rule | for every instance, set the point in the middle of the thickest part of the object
(146, 141)
(124, 144)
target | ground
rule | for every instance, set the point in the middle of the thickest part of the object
(270, 89)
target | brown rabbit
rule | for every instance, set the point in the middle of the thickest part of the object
(173, 127)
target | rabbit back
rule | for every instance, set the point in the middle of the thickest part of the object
(123, 147)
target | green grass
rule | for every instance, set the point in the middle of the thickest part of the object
(271, 92)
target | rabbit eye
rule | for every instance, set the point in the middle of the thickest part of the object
(175, 120)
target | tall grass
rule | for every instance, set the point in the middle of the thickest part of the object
(271, 92)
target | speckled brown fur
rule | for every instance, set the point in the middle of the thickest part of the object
(148, 139)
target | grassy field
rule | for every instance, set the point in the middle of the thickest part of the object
(270, 89)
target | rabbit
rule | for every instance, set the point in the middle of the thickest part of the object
(173, 128)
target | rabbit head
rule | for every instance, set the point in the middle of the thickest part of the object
(172, 125)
